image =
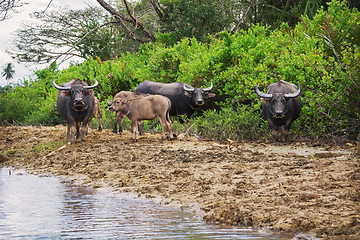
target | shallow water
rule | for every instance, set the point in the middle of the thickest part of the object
(33, 207)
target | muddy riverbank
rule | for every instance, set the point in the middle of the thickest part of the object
(301, 187)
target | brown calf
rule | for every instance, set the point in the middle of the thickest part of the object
(144, 108)
(118, 115)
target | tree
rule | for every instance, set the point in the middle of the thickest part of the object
(64, 33)
(188, 18)
(143, 19)
(274, 12)
(8, 72)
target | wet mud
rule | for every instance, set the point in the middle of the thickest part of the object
(298, 188)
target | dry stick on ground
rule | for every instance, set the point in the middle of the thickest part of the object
(182, 135)
(54, 151)
(286, 193)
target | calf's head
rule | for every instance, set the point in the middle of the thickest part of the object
(117, 104)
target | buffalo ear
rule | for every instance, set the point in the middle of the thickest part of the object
(211, 95)
(124, 101)
(65, 93)
(89, 92)
(263, 100)
(189, 94)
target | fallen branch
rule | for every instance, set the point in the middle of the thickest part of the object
(182, 135)
(286, 193)
(54, 151)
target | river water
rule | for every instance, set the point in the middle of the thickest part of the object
(33, 207)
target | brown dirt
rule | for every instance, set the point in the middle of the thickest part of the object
(293, 188)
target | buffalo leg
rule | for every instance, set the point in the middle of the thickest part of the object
(70, 136)
(134, 126)
(99, 116)
(115, 127)
(169, 124)
(286, 134)
(163, 124)
(117, 115)
(141, 128)
(78, 130)
(84, 129)
(273, 131)
(169, 127)
(120, 120)
(287, 130)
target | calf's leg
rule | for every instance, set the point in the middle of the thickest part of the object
(134, 126)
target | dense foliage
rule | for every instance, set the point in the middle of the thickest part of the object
(321, 55)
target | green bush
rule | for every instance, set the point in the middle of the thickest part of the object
(239, 124)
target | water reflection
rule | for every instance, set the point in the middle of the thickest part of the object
(43, 208)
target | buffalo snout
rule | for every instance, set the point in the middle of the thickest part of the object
(279, 114)
(79, 101)
(199, 102)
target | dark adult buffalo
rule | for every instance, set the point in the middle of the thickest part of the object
(184, 98)
(119, 116)
(75, 104)
(281, 105)
(145, 108)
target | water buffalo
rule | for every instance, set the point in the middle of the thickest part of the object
(281, 105)
(184, 98)
(145, 108)
(75, 104)
(119, 116)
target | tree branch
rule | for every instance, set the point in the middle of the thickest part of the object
(159, 9)
(66, 53)
(137, 22)
(119, 18)
(6, 6)
(243, 16)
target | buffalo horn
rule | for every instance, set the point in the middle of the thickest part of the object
(208, 89)
(293, 95)
(60, 88)
(188, 89)
(263, 95)
(92, 86)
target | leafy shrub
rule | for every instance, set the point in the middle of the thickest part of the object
(239, 124)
